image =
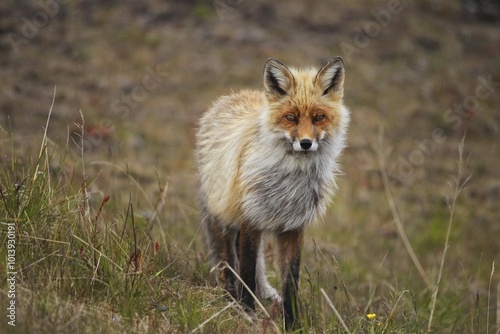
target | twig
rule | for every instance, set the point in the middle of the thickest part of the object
(200, 326)
(337, 314)
(159, 206)
(94, 274)
(38, 261)
(458, 189)
(96, 250)
(44, 139)
(224, 265)
(498, 307)
(391, 315)
(82, 142)
(395, 214)
(489, 296)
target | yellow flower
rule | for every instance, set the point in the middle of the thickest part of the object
(371, 316)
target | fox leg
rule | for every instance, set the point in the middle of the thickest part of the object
(220, 244)
(249, 249)
(229, 255)
(290, 245)
(264, 290)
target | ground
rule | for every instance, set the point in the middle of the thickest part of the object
(421, 78)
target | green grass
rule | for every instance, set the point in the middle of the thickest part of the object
(85, 263)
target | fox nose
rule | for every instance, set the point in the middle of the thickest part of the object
(306, 144)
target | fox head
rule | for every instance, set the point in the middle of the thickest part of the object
(305, 105)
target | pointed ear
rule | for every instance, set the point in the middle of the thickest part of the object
(277, 78)
(331, 77)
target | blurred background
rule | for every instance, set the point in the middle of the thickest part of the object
(420, 76)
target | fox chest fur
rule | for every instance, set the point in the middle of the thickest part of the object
(285, 190)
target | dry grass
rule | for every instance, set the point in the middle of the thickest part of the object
(80, 260)
(133, 261)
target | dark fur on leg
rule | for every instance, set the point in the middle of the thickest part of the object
(220, 242)
(249, 247)
(290, 245)
(230, 256)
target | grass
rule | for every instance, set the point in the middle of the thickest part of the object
(133, 262)
(87, 263)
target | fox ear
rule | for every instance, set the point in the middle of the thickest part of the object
(331, 77)
(277, 78)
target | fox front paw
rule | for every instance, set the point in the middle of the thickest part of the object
(268, 293)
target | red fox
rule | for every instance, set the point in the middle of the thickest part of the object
(267, 162)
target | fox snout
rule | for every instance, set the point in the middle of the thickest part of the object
(305, 144)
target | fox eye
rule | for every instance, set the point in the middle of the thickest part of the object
(318, 118)
(291, 118)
